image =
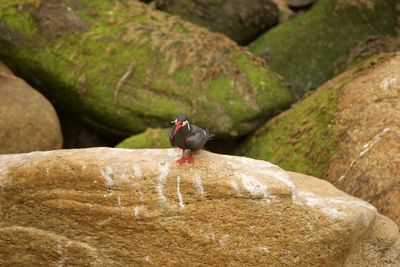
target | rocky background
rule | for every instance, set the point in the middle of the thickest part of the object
(311, 86)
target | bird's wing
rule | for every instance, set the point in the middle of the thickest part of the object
(197, 140)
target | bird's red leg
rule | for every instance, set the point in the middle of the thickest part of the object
(183, 158)
(190, 158)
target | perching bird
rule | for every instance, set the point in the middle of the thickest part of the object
(188, 136)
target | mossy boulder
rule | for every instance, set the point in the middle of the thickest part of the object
(301, 139)
(314, 46)
(242, 21)
(151, 138)
(346, 132)
(122, 67)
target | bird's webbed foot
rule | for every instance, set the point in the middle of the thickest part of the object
(182, 159)
(190, 159)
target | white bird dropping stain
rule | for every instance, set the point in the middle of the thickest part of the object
(235, 187)
(254, 186)
(162, 179)
(107, 175)
(139, 211)
(178, 191)
(198, 185)
(137, 171)
(366, 148)
(119, 202)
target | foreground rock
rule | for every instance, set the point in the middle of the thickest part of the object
(123, 67)
(28, 121)
(109, 207)
(346, 132)
(241, 21)
(313, 47)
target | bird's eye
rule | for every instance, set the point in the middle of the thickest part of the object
(174, 121)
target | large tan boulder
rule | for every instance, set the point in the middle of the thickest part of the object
(367, 163)
(121, 207)
(28, 120)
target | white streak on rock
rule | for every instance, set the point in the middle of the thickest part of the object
(235, 187)
(223, 241)
(62, 258)
(254, 186)
(139, 210)
(282, 177)
(178, 191)
(125, 176)
(107, 175)
(260, 167)
(119, 202)
(366, 148)
(333, 213)
(198, 185)
(162, 179)
(252, 229)
(263, 248)
(325, 205)
(388, 82)
(105, 221)
(137, 171)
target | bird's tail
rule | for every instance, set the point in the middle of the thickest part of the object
(209, 135)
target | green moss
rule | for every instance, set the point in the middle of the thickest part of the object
(151, 138)
(311, 48)
(302, 139)
(260, 78)
(24, 23)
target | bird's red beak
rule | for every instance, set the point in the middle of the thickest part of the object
(177, 127)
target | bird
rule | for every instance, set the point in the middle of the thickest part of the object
(188, 136)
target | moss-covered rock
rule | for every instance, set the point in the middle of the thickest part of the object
(304, 138)
(122, 67)
(242, 21)
(313, 47)
(301, 139)
(151, 138)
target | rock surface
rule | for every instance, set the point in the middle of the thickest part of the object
(367, 118)
(108, 207)
(123, 67)
(311, 48)
(242, 21)
(28, 121)
(350, 134)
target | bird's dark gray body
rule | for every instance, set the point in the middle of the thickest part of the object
(189, 137)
